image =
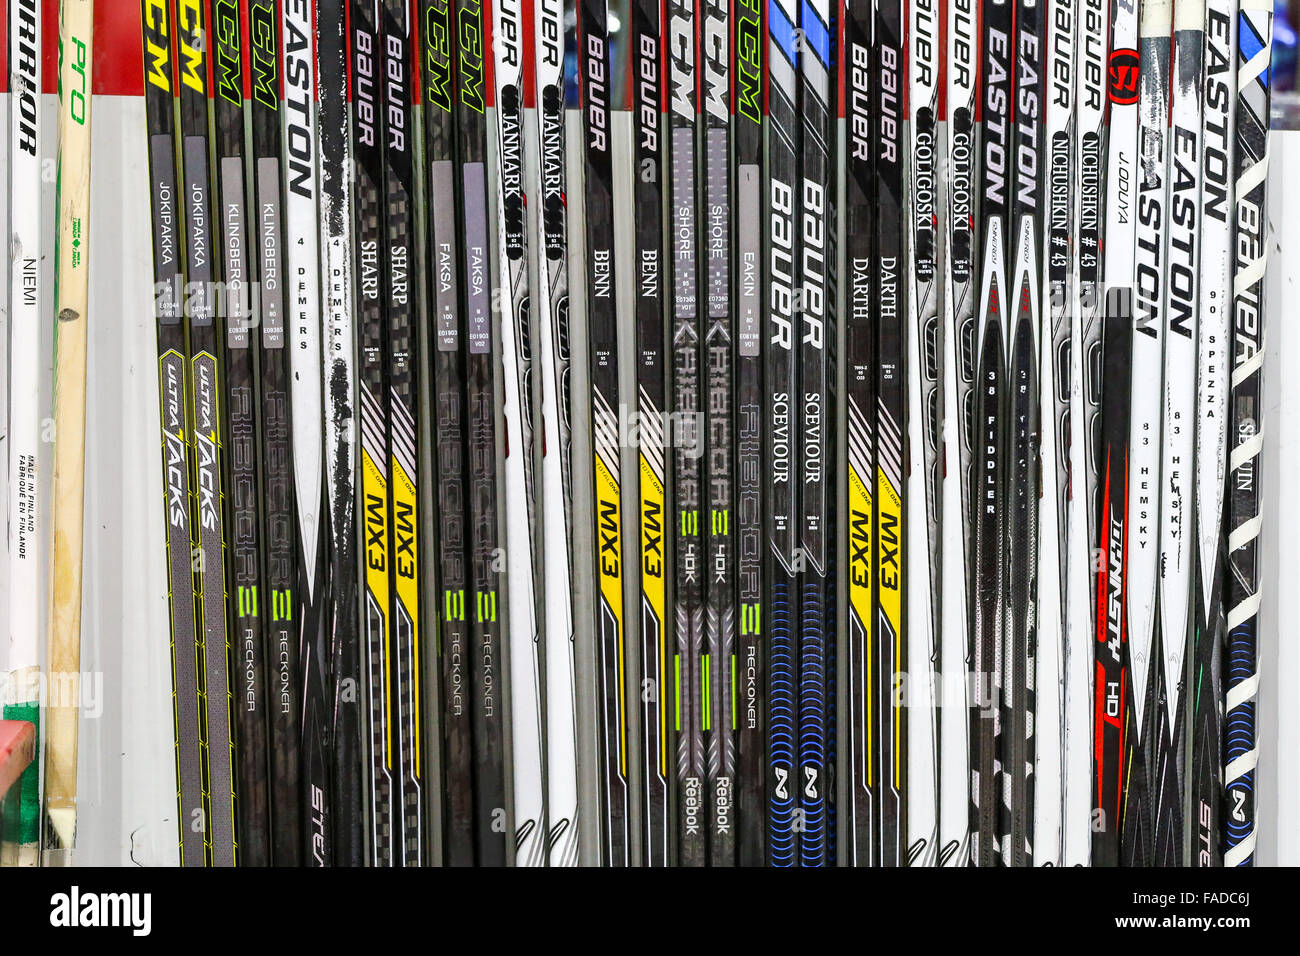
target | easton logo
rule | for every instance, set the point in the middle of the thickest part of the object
(997, 105)
(298, 139)
(1027, 122)
(1182, 241)
(1124, 77)
(1216, 164)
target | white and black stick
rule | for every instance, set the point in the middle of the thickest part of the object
(1092, 33)
(958, 363)
(1028, 605)
(1214, 340)
(557, 497)
(26, 274)
(1177, 487)
(1246, 437)
(302, 289)
(517, 358)
(1143, 454)
(992, 343)
(1056, 309)
(338, 297)
(924, 406)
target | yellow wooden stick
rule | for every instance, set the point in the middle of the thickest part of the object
(71, 305)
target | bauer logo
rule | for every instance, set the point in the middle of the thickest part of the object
(597, 90)
(75, 909)
(1124, 77)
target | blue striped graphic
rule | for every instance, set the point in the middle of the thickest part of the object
(1239, 735)
(783, 31)
(815, 33)
(1249, 43)
(812, 726)
(781, 729)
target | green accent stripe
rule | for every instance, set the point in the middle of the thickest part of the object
(677, 668)
(24, 825)
(708, 697)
